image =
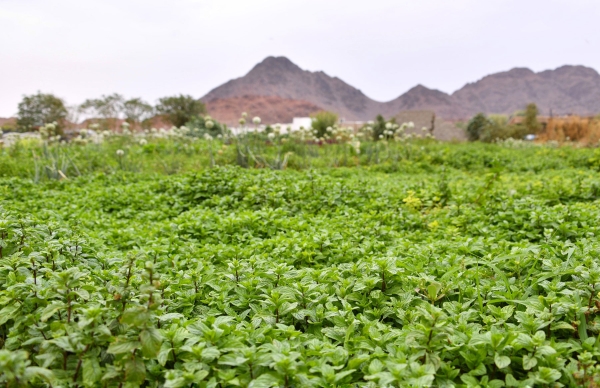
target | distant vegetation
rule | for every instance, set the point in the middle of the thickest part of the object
(323, 120)
(108, 111)
(497, 127)
(180, 109)
(41, 108)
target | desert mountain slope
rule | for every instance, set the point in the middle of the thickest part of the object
(271, 109)
(567, 89)
(278, 76)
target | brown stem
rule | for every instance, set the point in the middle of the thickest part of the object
(79, 363)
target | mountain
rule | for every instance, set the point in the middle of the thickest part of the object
(423, 98)
(278, 76)
(271, 109)
(568, 89)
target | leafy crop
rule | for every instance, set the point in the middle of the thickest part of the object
(437, 276)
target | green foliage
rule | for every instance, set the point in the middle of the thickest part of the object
(107, 107)
(180, 109)
(497, 127)
(531, 122)
(323, 120)
(379, 126)
(202, 125)
(39, 109)
(136, 111)
(429, 275)
(476, 126)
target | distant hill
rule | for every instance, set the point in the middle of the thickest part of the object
(278, 76)
(271, 109)
(568, 89)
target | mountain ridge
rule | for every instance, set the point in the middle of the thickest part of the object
(564, 90)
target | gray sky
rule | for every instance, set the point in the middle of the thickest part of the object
(82, 49)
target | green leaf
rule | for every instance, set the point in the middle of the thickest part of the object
(8, 312)
(340, 375)
(170, 317)
(135, 370)
(501, 361)
(547, 375)
(163, 355)
(265, 380)
(511, 381)
(123, 347)
(64, 343)
(151, 340)
(41, 373)
(136, 317)
(50, 310)
(529, 362)
(91, 371)
(355, 362)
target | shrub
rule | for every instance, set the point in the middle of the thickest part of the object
(476, 126)
(322, 120)
(180, 109)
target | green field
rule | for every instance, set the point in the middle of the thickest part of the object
(414, 264)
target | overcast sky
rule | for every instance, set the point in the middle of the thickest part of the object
(80, 49)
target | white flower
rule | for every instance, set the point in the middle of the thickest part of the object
(271, 136)
(424, 129)
(244, 115)
(120, 153)
(209, 124)
(242, 121)
(256, 120)
(143, 142)
(388, 125)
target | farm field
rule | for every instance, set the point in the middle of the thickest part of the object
(414, 264)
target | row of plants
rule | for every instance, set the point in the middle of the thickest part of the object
(344, 277)
(184, 149)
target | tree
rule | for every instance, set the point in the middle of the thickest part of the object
(108, 108)
(180, 109)
(531, 122)
(39, 109)
(476, 127)
(136, 110)
(322, 120)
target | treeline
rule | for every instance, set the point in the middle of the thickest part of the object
(108, 111)
(527, 124)
(499, 127)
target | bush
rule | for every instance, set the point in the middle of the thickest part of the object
(322, 120)
(477, 126)
(180, 109)
(202, 125)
